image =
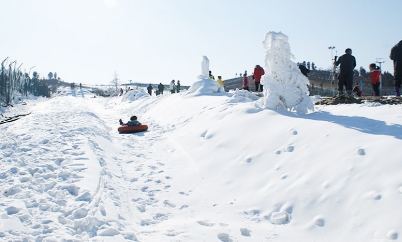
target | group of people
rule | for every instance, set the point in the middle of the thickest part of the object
(257, 74)
(347, 64)
(174, 87)
(160, 89)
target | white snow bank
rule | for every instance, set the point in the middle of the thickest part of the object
(205, 86)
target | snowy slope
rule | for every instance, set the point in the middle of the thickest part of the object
(214, 167)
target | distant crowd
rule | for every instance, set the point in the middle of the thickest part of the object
(346, 63)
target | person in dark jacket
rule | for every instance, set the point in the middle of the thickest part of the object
(345, 78)
(304, 69)
(149, 88)
(178, 86)
(258, 73)
(132, 122)
(396, 56)
(161, 87)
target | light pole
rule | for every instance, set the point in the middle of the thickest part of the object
(332, 74)
(380, 61)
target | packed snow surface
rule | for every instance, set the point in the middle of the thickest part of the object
(211, 167)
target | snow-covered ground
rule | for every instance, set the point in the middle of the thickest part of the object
(212, 167)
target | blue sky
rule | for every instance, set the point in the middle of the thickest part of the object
(156, 41)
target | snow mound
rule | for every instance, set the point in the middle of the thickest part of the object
(286, 86)
(133, 95)
(242, 96)
(205, 86)
(68, 91)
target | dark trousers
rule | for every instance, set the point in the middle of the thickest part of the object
(246, 88)
(376, 89)
(257, 86)
(398, 78)
(345, 78)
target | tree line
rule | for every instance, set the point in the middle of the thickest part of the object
(14, 83)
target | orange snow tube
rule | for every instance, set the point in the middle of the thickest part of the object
(132, 129)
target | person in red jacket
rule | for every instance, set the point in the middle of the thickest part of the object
(258, 72)
(246, 83)
(375, 78)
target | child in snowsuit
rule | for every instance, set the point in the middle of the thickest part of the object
(375, 74)
(357, 90)
(132, 122)
(246, 83)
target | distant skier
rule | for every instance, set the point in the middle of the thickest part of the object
(132, 122)
(178, 86)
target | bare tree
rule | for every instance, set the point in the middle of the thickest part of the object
(115, 82)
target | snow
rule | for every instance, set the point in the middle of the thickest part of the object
(213, 166)
(218, 167)
(286, 85)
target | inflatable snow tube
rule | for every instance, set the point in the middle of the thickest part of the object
(132, 129)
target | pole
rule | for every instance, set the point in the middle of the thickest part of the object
(333, 70)
(30, 70)
(380, 61)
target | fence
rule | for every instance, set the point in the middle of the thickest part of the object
(14, 83)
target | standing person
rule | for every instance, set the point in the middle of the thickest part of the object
(258, 73)
(178, 86)
(172, 86)
(396, 56)
(304, 70)
(211, 76)
(246, 83)
(80, 85)
(149, 88)
(161, 87)
(345, 78)
(121, 91)
(220, 81)
(375, 78)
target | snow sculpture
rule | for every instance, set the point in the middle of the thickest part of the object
(285, 86)
(205, 67)
(205, 85)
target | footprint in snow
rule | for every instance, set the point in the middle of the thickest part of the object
(360, 152)
(319, 221)
(289, 148)
(392, 235)
(169, 204)
(204, 223)
(293, 132)
(224, 237)
(245, 232)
